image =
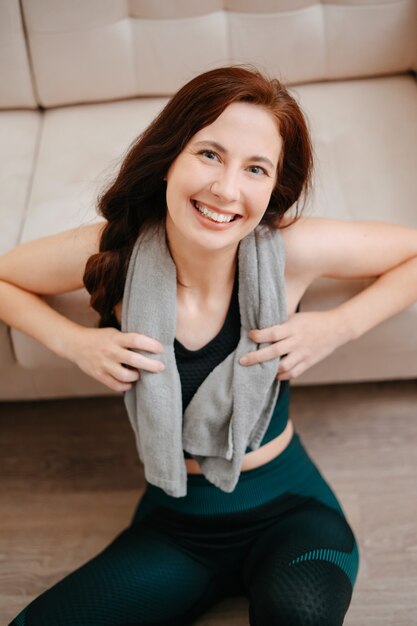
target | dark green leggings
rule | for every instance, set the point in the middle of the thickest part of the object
(280, 538)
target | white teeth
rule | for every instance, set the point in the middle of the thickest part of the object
(217, 217)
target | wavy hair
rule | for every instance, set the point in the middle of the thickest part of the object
(136, 199)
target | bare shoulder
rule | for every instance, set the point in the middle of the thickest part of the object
(56, 262)
(295, 235)
(316, 246)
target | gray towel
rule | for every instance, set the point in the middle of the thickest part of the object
(233, 406)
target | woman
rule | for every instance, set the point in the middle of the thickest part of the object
(230, 151)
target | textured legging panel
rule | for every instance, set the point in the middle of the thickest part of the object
(291, 552)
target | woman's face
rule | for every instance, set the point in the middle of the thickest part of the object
(227, 169)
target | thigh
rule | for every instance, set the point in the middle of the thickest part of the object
(141, 578)
(301, 571)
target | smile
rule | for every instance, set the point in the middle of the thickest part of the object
(212, 215)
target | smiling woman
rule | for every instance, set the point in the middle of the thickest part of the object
(215, 173)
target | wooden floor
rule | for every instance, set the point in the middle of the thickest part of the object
(66, 491)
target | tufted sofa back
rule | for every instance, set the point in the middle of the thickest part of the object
(56, 52)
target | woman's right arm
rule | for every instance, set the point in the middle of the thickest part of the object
(54, 265)
(49, 265)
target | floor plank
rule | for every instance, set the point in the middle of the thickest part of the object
(70, 480)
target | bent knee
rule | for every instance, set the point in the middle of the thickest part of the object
(318, 599)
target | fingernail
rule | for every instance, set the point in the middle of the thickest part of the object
(244, 360)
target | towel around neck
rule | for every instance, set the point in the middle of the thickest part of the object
(232, 408)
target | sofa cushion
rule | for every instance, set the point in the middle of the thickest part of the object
(365, 138)
(20, 384)
(79, 150)
(19, 139)
(75, 52)
(19, 133)
(6, 351)
(15, 76)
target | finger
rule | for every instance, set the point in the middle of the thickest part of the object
(289, 361)
(270, 334)
(126, 374)
(141, 342)
(268, 353)
(114, 384)
(260, 356)
(134, 360)
(120, 373)
(291, 372)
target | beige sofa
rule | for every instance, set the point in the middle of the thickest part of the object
(80, 81)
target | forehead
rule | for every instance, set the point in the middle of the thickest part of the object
(244, 127)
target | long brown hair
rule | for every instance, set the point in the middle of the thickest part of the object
(136, 199)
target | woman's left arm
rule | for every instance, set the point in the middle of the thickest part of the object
(389, 294)
(337, 249)
(346, 249)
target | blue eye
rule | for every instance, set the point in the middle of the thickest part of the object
(260, 169)
(209, 154)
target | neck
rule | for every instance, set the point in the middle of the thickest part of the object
(201, 273)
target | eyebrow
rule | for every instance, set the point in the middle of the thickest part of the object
(221, 148)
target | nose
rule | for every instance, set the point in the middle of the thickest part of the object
(226, 185)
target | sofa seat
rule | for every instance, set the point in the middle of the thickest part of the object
(19, 135)
(365, 137)
(352, 123)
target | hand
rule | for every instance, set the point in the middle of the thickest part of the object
(302, 341)
(107, 355)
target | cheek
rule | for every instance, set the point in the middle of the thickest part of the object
(259, 202)
(178, 194)
(176, 186)
(188, 183)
